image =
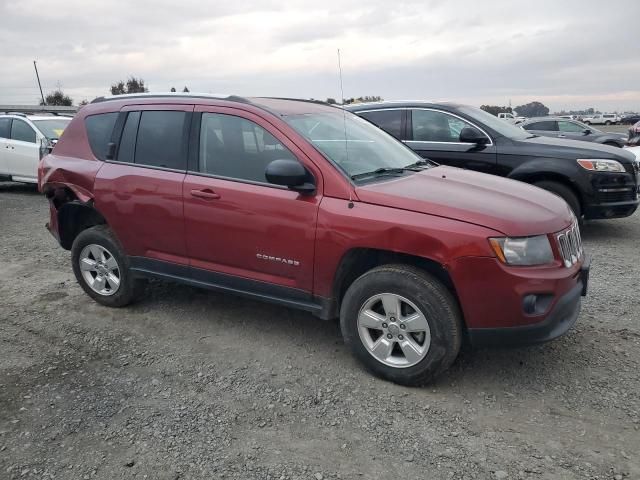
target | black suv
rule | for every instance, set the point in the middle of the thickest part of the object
(597, 181)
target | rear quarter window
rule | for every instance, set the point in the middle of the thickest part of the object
(99, 129)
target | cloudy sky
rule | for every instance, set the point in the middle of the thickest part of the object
(567, 54)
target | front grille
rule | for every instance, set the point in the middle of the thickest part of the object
(570, 245)
(613, 195)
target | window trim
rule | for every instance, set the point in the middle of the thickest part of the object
(193, 163)
(409, 124)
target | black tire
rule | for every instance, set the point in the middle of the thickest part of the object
(563, 192)
(607, 122)
(587, 122)
(431, 297)
(129, 287)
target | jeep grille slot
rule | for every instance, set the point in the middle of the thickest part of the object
(570, 245)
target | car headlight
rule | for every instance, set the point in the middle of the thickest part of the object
(523, 250)
(601, 165)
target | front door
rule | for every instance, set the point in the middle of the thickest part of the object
(23, 152)
(239, 227)
(5, 133)
(435, 134)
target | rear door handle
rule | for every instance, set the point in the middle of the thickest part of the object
(205, 194)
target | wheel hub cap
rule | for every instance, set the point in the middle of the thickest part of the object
(99, 269)
(393, 330)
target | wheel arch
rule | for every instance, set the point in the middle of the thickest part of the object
(74, 217)
(532, 176)
(359, 260)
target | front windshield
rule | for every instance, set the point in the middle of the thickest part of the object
(52, 129)
(505, 129)
(352, 143)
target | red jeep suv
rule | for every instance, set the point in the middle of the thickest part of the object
(310, 206)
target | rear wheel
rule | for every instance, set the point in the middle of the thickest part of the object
(102, 268)
(563, 192)
(402, 324)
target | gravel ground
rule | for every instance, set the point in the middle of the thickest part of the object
(191, 384)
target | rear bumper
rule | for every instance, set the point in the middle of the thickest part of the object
(563, 315)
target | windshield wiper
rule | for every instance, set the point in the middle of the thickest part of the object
(378, 172)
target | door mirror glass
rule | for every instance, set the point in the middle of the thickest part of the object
(587, 131)
(289, 173)
(473, 135)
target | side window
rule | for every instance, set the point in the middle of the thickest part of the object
(99, 128)
(570, 127)
(547, 126)
(234, 147)
(127, 148)
(5, 127)
(388, 120)
(22, 131)
(434, 126)
(160, 141)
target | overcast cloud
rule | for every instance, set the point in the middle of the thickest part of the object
(567, 54)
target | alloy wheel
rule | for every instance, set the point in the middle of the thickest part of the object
(100, 269)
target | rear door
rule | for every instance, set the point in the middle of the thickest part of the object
(573, 131)
(139, 191)
(435, 134)
(545, 128)
(241, 230)
(23, 152)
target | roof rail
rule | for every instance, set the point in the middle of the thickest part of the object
(212, 96)
(306, 100)
(38, 109)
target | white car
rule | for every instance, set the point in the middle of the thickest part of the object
(602, 119)
(24, 139)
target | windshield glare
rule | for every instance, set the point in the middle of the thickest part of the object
(503, 127)
(52, 129)
(352, 143)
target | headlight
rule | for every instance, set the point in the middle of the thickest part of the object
(523, 250)
(601, 165)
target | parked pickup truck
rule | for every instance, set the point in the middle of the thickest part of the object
(601, 119)
(309, 206)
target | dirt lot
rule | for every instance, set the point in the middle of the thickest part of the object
(191, 384)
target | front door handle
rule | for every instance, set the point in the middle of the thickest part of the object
(205, 194)
(562, 136)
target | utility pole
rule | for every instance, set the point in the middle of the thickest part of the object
(39, 85)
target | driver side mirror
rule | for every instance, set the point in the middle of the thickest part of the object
(587, 131)
(291, 174)
(473, 135)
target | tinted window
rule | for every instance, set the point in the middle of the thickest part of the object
(434, 126)
(547, 125)
(237, 148)
(571, 127)
(5, 126)
(22, 131)
(388, 120)
(99, 129)
(127, 148)
(161, 140)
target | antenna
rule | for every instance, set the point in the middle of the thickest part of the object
(344, 119)
(39, 85)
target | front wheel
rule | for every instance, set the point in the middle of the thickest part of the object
(563, 192)
(402, 324)
(607, 122)
(102, 268)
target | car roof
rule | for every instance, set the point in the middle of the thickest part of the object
(33, 117)
(275, 105)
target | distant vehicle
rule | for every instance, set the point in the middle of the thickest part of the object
(597, 181)
(568, 117)
(630, 118)
(602, 119)
(510, 116)
(24, 140)
(559, 127)
(634, 134)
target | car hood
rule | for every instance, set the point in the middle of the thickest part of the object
(507, 206)
(563, 148)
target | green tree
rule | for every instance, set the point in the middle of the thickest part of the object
(533, 109)
(496, 109)
(132, 85)
(57, 98)
(331, 101)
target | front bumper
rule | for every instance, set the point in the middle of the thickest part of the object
(558, 321)
(495, 299)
